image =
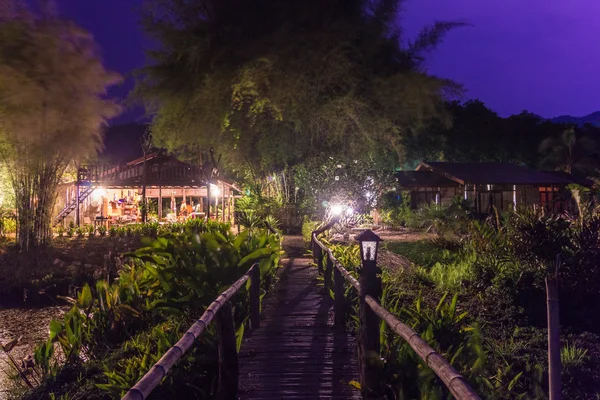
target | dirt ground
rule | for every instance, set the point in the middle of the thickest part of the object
(29, 285)
(31, 326)
(404, 235)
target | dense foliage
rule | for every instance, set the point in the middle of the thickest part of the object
(478, 298)
(117, 330)
(479, 134)
(53, 107)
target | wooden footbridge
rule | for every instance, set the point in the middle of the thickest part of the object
(301, 349)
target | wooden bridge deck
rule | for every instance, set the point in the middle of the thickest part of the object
(297, 353)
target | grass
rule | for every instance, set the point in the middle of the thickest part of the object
(425, 253)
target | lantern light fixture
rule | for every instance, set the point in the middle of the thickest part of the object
(369, 245)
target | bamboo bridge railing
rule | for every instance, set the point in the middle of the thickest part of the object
(369, 289)
(219, 311)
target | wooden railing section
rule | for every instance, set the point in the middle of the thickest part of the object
(163, 173)
(219, 311)
(369, 290)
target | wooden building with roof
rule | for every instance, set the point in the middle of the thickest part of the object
(487, 185)
(113, 193)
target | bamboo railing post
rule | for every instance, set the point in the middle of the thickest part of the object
(328, 272)
(228, 359)
(554, 362)
(255, 297)
(320, 259)
(339, 305)
(368, 335)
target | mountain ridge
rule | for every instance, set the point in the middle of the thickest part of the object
(593, 118)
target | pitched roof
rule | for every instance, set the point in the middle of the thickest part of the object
(579, 180)
(423, 178)
(492, 173)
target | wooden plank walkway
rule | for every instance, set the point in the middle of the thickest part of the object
(297, 353)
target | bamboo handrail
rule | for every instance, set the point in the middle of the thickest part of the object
(157, 373)
(353, 281)
(452, 379)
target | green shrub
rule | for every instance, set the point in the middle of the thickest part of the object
(572, 356)
(8, 224)
(308, 227)
(128, 325)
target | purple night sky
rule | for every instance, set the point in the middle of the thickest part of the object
(538, 55)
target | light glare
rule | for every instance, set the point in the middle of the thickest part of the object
(337, 209)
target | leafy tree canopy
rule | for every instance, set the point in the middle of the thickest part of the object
(271, 84)
(52, 107)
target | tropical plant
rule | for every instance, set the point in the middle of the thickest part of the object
(67, 96)
(572, 356)
(80, 231)
(172, 277)
(255, 110)
(570, 153)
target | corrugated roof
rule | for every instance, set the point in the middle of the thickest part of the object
(492, 173)
(423, 178)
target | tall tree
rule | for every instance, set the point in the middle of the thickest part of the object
(270, 84)
(52, 108)
(569, 152)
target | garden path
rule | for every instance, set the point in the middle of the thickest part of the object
(298, 353)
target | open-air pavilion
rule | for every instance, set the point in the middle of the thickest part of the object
(113, 193)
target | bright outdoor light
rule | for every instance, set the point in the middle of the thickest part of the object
(369, 245)
(337, 209)
(98, 193)
(214, 190)
(350, 211)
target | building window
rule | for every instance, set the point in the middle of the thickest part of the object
(548, 198)
(419, 198)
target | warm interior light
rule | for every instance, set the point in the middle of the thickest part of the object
(99, 193)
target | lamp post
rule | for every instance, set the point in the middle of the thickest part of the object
(368, 337)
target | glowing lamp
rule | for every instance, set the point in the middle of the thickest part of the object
(337, 210)
(99, 193)
(214, 189)
(369, 245)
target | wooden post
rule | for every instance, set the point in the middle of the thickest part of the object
(160, 210)
(222, 202)
(319, 253)
(208, 201)
(228, 359)
(328, 272)
(255, 298)
(77, 205)
(554, 363)
(339, 305)
(368, 335)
